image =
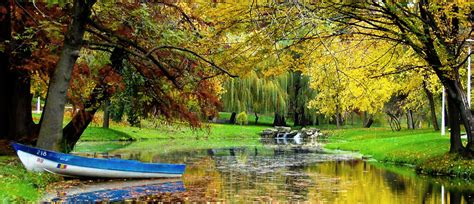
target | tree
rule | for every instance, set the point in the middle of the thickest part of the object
(436, 32)
(299, 94)
(51, 135)
(355, 83)
(258, 94)
(24, 32)
(190, 95)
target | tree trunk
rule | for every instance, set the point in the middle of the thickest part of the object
(5, 89)
(338, 115)
(431, 102)
(233, 117)
(295, 90)
(256, 118)
(455, 133)
(16, 122)
(368, 120)
(394, 122)
(352, 118)
(457, 96)
(105, 124)
(74, 129)
(279, 120)
(21, 125)
(51, 131)
(410, 122)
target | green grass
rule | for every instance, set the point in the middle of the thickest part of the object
(425, 149)
(18, 185)
(104, 134)
(214, 131)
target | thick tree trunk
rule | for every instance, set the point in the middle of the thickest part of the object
(16, 122)
(5, 39)
(455, 134)
(457, 96)
(21, 125)
(233, 118)
(431, 102)
(106, 118)
(338, 119)
(51, 132)
(279, 120)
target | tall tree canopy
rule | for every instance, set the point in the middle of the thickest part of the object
(157, 41)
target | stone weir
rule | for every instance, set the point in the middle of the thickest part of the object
(286, 132)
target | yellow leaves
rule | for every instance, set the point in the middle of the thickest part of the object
(353, 75)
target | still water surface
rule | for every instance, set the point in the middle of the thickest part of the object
(267, 171)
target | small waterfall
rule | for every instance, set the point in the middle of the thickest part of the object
(297, 138)
(282, 135)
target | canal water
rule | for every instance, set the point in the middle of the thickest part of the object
(281, 171)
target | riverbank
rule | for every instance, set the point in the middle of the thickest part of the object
(18, 185)
(424, 149)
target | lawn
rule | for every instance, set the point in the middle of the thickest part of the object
(425, 149)
(213, 131)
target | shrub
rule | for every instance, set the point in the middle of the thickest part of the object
(242, 118)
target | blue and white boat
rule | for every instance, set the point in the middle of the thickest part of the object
(40, 160)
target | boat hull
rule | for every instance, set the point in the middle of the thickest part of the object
(40, 160)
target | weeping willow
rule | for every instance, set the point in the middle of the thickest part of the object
(256, 94)
(301, 93)
(286, 94)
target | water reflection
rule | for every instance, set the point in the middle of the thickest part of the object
(275, 172)
(116, 191)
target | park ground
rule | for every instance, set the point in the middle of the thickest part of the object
(423, 149)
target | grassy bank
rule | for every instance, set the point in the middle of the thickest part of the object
(425, 149)
(18, 185)
(214, 131)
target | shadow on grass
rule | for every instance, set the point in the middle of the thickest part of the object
(106, 134)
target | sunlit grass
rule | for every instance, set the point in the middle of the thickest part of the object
(116, 133)
(426, 149)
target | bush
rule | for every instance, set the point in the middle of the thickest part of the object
(242, 118)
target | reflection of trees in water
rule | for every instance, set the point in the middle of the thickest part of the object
(395, 182)
(454, 195)
(298, 183)
(249, 174)
(469, 196)
(246, 174)
(428, 190)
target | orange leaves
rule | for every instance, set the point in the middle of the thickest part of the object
(125, 31)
